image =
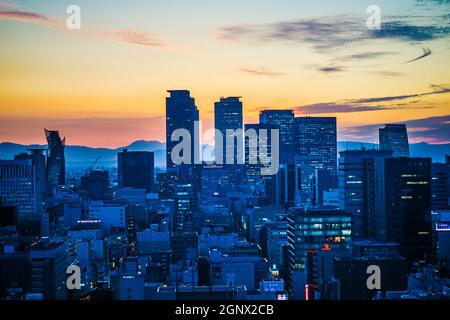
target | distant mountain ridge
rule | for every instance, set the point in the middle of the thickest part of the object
(81, 157)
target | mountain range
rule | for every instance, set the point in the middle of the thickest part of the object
(81, 157)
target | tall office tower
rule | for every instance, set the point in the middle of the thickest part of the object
(228, 116)
(181, 113)
(136, 169)
(166, 184)
(395, 137)
(285, 120)
(439, 186)
(352, 186)
(186, 202)
(317, 136)
(258, 143)
(407, 203)
(38, 160)
(311, 230)
(22, 184)
(56, 163)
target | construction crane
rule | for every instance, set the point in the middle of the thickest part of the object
(89, 170)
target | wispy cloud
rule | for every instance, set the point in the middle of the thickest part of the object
(437, 89)
(368, 55)
(386, 73)
(426, 53)
(145, 39)
(372, 104)
(260, 71)
(432, 130)
(331, 69)
(324, 33)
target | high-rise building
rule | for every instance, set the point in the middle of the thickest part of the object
(407, 203)
(136, 169)
(259, 145)
(228, 116)
(395, 137)
(258, 142)
(317, 137)
(352, 186)
(181, 113)
(311, 230)
(56, 163)
(440, 175)
(23, 184)
(285, 120)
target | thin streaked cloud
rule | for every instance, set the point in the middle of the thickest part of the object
(139, 38)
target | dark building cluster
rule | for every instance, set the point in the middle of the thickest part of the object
(225, 230)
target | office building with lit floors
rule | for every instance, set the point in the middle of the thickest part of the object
(311, 230)
(285, 120)
(23, 185)
(403, 194)
(317, 137)
(352, 186)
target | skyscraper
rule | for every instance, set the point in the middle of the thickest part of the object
(407, 205)
(228, 116)
(395, 137)
(257, 145)
(56, 164)
(181, 113)
(285, 120)
(136, 169)
(311, 230)
(317, 137)
(352, 186)
(22, 184)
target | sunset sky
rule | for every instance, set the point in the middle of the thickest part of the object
(105, 85)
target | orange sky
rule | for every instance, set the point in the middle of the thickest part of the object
(105, 85)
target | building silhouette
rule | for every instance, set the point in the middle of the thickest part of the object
(56, 163)
(228, 116)
(136, 169)
(181, 113)
(395, 137)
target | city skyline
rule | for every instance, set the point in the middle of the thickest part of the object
(105, 85)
